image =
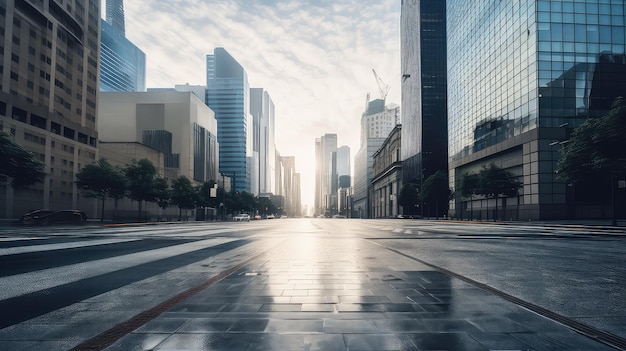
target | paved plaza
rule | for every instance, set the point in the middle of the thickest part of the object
(307, 288)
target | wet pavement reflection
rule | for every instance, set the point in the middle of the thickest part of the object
(334, 293)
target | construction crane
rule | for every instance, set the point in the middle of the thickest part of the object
(382, 87)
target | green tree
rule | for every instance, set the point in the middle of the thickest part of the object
(467, 188)
(162, 193)
(494, 182)
(409, 198)
(101, 180)
(266, 206)
(436, 191)
(18, 164)
(596, 148)
(184, 195)
(140, 176)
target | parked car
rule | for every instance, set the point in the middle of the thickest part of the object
(270, 216)
(242, 217)
(43, 217)
(257, 217)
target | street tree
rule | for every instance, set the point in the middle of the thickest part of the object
(184, 195)
(140, 177)
(162, 194)
(409, 198)
(595, 152)
(596, 148)
(266, 206)
(101, 180)
(437, 191)
(467, 188)
(19, 165)
(494, 182)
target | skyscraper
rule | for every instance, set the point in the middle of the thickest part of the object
(122, 64)
(115, 15)
(264, 149)
(48, 96)
(228, 95)
(424, 88)
(376, 123)
(324, 167)
(522, 75)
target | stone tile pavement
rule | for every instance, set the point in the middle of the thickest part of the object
(323, 293)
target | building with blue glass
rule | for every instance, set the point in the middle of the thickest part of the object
(424, 133)
(522, 75)
(122, 64)
(228, 95)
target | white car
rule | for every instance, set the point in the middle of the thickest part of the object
(270, 216)
(242, 217)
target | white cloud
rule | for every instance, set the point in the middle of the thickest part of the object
(314, 57)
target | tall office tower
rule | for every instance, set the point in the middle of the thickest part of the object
(344, 171)
(115, 15)
(262, 110)
(48, 96)
(324, 149)
(376, 123)
(291, 185)
(522, 75)
(122, 64)
(228, 94)
(423, 63)
(378, 120)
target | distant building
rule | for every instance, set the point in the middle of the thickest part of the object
(325, 174)
(424, 89)
(291, 186)
(48, 97)
(387, 179)
(344, 167)
(229, 96)
(122, 64)
(263, 145)
(177, 124)
(376, 123)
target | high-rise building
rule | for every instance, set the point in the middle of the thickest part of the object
(122, 64)
(325, 172)
(424, 87)
(48, 96)
(291, 186)
(263, 147)
(344, 170)
(522, 75)
(377, 122)
(115, 15)
(228, 94)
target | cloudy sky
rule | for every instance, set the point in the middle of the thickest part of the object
(314, 57)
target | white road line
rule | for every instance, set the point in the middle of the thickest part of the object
(25, 283)
(37, 248)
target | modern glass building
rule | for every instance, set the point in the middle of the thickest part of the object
(424, 89)
(122, 64)
(522, 75)
(263, 146)
(115, 15)
(228, 95)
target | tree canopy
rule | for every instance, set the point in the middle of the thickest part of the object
(101, 180)
(141, 176)
(596, 147)
(494, 181)
(409, 198)
(18, 164)
(437, 191)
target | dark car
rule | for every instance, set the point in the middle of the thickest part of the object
(43, 217)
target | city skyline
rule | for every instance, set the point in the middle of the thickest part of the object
(318, 83)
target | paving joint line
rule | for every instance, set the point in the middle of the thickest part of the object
(606, 338)
(112, 335)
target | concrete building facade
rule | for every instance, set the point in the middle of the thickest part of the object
(48, 95)
(177, 124)
(387, 178)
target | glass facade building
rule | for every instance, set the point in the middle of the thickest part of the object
(521, 76)
(424, 88)
(228, 95)
(122, 64)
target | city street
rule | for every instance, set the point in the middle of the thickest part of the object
(313, 284)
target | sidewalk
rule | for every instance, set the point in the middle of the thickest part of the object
(323, 293)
